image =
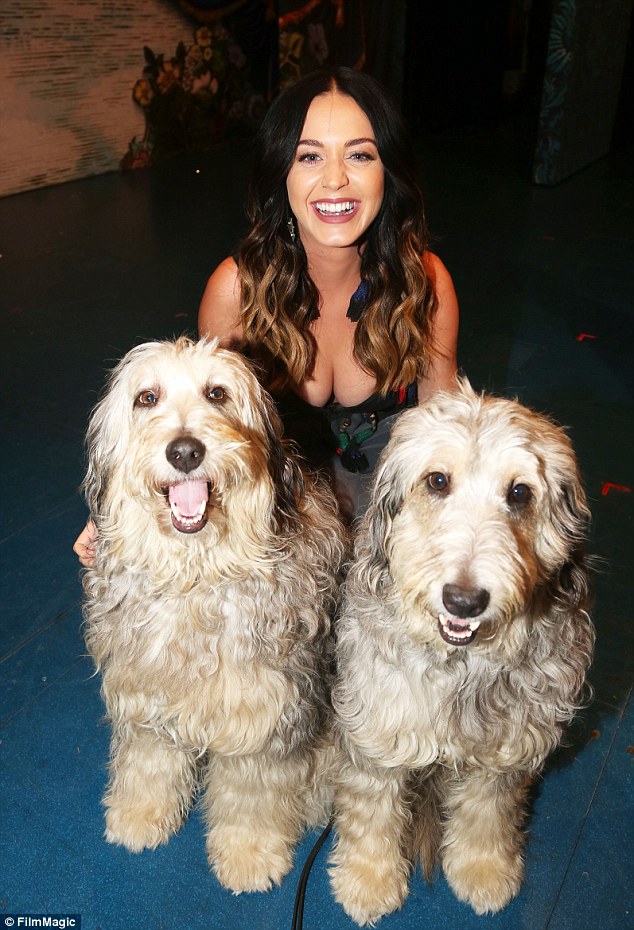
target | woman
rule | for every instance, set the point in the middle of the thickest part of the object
(334, 294)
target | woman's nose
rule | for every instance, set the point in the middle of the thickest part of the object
(334, 176)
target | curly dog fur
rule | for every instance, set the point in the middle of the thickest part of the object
(462, 650)
(208, 610)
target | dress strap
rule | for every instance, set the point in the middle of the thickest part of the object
(358, 302)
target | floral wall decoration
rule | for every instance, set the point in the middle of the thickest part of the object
(203, 94)
(313, 33)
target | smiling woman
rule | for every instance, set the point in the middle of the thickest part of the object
(335, 186)
(334, 293)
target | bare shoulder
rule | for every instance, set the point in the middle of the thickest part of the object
(219, 312)
(438, 275)
(443, 361)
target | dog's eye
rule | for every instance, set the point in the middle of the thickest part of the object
(518, 495)
(438, 482)
(147, 399)
(215, 393)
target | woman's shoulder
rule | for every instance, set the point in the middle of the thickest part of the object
(442, 284)
(224, 280)
(436, 270)
(219, 312)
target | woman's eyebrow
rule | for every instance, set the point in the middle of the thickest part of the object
(316, 144)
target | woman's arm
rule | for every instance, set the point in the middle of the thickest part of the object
(443, 364)
(219, 313)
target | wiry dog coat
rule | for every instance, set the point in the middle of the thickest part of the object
(208, 609)
(462, 649)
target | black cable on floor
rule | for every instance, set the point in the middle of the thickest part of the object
(298, 910)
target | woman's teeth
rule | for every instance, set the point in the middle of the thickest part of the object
(345, 206)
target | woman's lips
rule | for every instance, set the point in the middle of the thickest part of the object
(335, 211)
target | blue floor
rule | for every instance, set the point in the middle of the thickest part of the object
(546, 284)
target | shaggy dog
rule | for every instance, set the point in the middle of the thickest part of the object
(208, 610)
(462, 650)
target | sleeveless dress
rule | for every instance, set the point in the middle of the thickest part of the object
(347, 441)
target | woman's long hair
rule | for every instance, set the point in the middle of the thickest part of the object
(279, 300)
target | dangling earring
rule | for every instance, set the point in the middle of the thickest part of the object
(290, 222)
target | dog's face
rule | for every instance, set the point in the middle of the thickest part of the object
(477, 507)
(181, 427)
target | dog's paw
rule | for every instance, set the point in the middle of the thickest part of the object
(487, 883)
(369, 889)
(246, 863)
(139, 828)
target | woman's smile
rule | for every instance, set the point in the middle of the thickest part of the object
(336, 211)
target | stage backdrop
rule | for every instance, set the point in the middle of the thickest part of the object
(584, 70)
(89, 86)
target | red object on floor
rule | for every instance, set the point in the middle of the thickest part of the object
(608, 486)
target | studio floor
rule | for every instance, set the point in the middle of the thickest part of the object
(545, 278)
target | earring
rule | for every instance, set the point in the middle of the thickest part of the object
(290, 222)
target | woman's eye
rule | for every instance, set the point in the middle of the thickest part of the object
(361, 156)
(216, 393)
(518, 495)
(437, 481)
(309, 158)
(147, 399)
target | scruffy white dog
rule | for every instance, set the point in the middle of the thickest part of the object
(208, 610)
(462, 650)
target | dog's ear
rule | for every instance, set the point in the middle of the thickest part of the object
(571, 517)
(99, 455)
(566, 529)
(107, 435)
(385, 502)
(568, 591)
(571, 511)
(284, 470)
(261, 416)
(95, 481)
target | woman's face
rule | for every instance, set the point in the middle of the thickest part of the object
(336, 182)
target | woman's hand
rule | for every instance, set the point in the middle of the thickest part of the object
(84, 546)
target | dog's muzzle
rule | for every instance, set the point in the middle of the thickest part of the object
(464, 606)
(188, 499)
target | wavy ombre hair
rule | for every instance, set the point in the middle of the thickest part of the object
(279, 300)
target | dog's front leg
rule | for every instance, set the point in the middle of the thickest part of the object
(256, 808)
(483, 839)
(150, 789)
(370, 872)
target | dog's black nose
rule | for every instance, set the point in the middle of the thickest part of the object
(185, 453)
(464, 602)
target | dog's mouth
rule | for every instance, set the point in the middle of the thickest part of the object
(457, 632)
(188, 505)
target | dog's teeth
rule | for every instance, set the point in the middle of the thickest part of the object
(190, 517)
(463, 634)
(457, 632)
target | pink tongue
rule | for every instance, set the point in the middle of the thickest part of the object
(457, 624)
(187, 496)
